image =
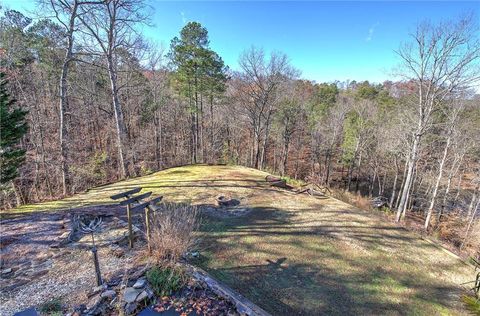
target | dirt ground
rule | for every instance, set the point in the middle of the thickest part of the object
(42, 271)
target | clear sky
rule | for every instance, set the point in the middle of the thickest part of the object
(327, 41)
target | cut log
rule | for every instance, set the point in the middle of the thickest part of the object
(280, 184)
(271, 178)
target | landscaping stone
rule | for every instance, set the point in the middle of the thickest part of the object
(108, 294)
(130, 308)
(7, 271)
(140, 284)
(38, 273)
(130, 294)
(97, 290)
(142, 296)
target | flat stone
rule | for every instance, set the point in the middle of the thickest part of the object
(97, 290)
(142, 296)
(130, 308)
(130, 294)
(18, 283)
(140, 283)
(64, 235)
(108, 294)
(55, 245)
(7, 271)
(39, 273)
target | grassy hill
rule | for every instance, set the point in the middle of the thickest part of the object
(298, 255)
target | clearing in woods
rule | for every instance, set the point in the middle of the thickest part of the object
(298, 255)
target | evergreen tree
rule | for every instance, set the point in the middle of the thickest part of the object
(12, 128)
(199, 75)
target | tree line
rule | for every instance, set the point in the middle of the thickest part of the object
(103, 104)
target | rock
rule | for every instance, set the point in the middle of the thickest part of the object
(7, 271)
(38, 273)
(108, 294)
(97, 290)
(140, 283)
(55, 245)
(142, 296)
(79, 309)
(64, 235)
(130, 294)
(117, 251)
(130, 308)
(195, 254)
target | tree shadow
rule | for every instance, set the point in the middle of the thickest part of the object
(289, 265)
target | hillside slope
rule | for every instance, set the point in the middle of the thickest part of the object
(295, 254)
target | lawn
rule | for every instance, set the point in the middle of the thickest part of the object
(298, 255)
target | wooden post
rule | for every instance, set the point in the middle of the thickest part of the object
(130, 232)
(147, 226)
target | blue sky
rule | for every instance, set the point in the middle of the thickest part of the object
(327, 41)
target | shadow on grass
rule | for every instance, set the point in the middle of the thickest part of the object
(327, 268)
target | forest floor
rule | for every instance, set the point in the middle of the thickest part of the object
(293, 254)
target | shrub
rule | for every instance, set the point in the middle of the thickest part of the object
(172, 232)
(472, 303)
(165, 281)
(52, 307)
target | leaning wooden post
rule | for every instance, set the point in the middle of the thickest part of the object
(147, 227)
(130, 232)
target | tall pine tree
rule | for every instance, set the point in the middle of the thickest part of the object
(12, 128)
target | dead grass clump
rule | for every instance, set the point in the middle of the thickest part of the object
(351, 198)
(452, 229)
(173, 228)
(472, 243)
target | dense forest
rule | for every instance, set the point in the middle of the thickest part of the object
(106, 104)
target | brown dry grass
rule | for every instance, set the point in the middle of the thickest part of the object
(173, 228)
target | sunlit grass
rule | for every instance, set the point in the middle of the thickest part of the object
(297, 255)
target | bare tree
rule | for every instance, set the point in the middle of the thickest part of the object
(112, 26)
(65, 13)
(451, 123)
(261, 79)
(441, 61)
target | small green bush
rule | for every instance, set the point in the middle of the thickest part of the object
(473, 304)
(165, 281)
(293, 182)
(52, 307)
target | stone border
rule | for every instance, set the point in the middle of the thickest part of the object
(243, 305)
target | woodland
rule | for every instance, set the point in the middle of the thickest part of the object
(96, 103)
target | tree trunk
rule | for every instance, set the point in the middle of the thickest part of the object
(437, 183)
(63, 106)
(408, 180)
(329, 163)
(285, 157)
(395, 179)
(119, 122)
(472, 202)
(472, 218)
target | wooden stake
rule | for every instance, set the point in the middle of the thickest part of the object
(147, 226)
(130, 232)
